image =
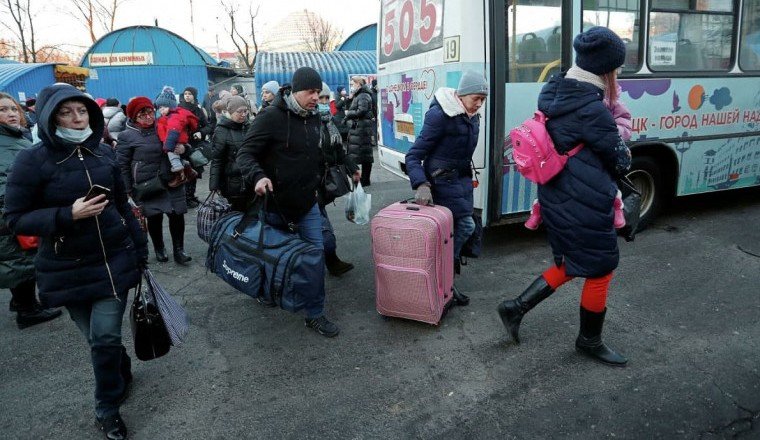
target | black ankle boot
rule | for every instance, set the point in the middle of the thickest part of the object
(460, 298)
(512, 311)
(180, 257)
(161, 256)
(590, 343)
(335, 266)
(35, 315)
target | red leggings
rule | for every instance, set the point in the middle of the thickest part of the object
(594, 296)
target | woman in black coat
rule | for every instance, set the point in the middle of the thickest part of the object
(228, 136)
(362, 134)
(577, 205)
(16, 264)
(91, 249)
(141, 158)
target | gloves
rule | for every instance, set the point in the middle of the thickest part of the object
(423, 196)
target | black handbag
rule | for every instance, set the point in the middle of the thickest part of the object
(631, 209)
(148, 330)
(335, 182)
(148, 189)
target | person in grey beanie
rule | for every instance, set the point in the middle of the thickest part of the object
(268, 92)
(439, 164)
(281, 154)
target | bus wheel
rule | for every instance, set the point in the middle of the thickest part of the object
(647, 177)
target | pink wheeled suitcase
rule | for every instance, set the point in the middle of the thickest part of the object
(413, 250)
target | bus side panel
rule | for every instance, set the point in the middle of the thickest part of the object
(673, 110)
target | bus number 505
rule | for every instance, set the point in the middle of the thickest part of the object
(404, 25)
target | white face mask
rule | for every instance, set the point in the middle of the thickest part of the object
(72, 135)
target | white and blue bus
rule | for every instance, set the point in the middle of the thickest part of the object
(691, 80)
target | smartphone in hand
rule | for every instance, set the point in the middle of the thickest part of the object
(97, 190)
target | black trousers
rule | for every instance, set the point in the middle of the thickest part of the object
(24, 295)
(176, 230)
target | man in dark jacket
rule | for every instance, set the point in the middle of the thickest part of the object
(281, 154)
(208, 106)
(189, 102)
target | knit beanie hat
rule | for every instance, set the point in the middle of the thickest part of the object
(166, 98)
(325, 90)
(136, 104)
(235, 102)
(100, 101)
(193, 91)
(272, 87)
(112, 102)
(306, 78)
(472, 83)
(599, 50)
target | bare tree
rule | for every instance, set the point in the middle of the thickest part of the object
(96, 15)
(320, 34)
(247, 46)
(23, 30)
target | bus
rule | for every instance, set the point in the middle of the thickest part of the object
(691, 79)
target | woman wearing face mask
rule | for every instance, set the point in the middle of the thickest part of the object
(141, 158)
(360, 118)
(230, 130)
(332, 154)
(16, 264)
(91, 249)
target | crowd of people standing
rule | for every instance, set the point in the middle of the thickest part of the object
(91, 249)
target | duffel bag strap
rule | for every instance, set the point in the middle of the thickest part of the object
(251, 216)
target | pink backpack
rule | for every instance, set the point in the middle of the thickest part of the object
(533, 150)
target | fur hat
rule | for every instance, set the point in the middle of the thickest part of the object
(472, 83)
(599, 50)
(166, 98)
(235, 102)
(306, 78)
(136, 104)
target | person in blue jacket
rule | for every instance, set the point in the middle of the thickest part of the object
(90, 251)
(578, 204)
(439, 164)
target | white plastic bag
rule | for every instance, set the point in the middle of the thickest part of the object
(358, 204)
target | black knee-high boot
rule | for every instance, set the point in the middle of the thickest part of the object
(177, 231)
(512, 311)
(590, 343)
(156, 232)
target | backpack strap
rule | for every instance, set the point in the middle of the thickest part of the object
(574, 151)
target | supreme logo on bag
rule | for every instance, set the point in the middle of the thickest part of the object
(533, 150)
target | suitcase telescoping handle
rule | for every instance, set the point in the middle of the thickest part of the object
(411, 205)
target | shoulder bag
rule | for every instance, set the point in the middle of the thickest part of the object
(148, 189)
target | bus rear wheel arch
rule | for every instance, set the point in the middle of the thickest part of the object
(648, 173)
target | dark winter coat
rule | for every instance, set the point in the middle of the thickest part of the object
(82, 260)
(225, 174)
(141, 157)
(204, 128)
(333, 153)
(341, 105)
(442, 153)
(576, 206)
(362, 133)
(208, 106)
(284, 147)
(16, 265)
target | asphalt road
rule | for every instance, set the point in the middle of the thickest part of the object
(683, 306)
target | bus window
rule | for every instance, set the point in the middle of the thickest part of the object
(623, 18)
(534, 39)
(749, 51)
(690, 36)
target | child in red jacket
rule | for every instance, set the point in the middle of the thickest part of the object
(173, 129)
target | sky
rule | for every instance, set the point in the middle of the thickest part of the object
(53, 25)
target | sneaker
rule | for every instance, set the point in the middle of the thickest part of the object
(113, 427)
(322, 326)
(535, 216)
